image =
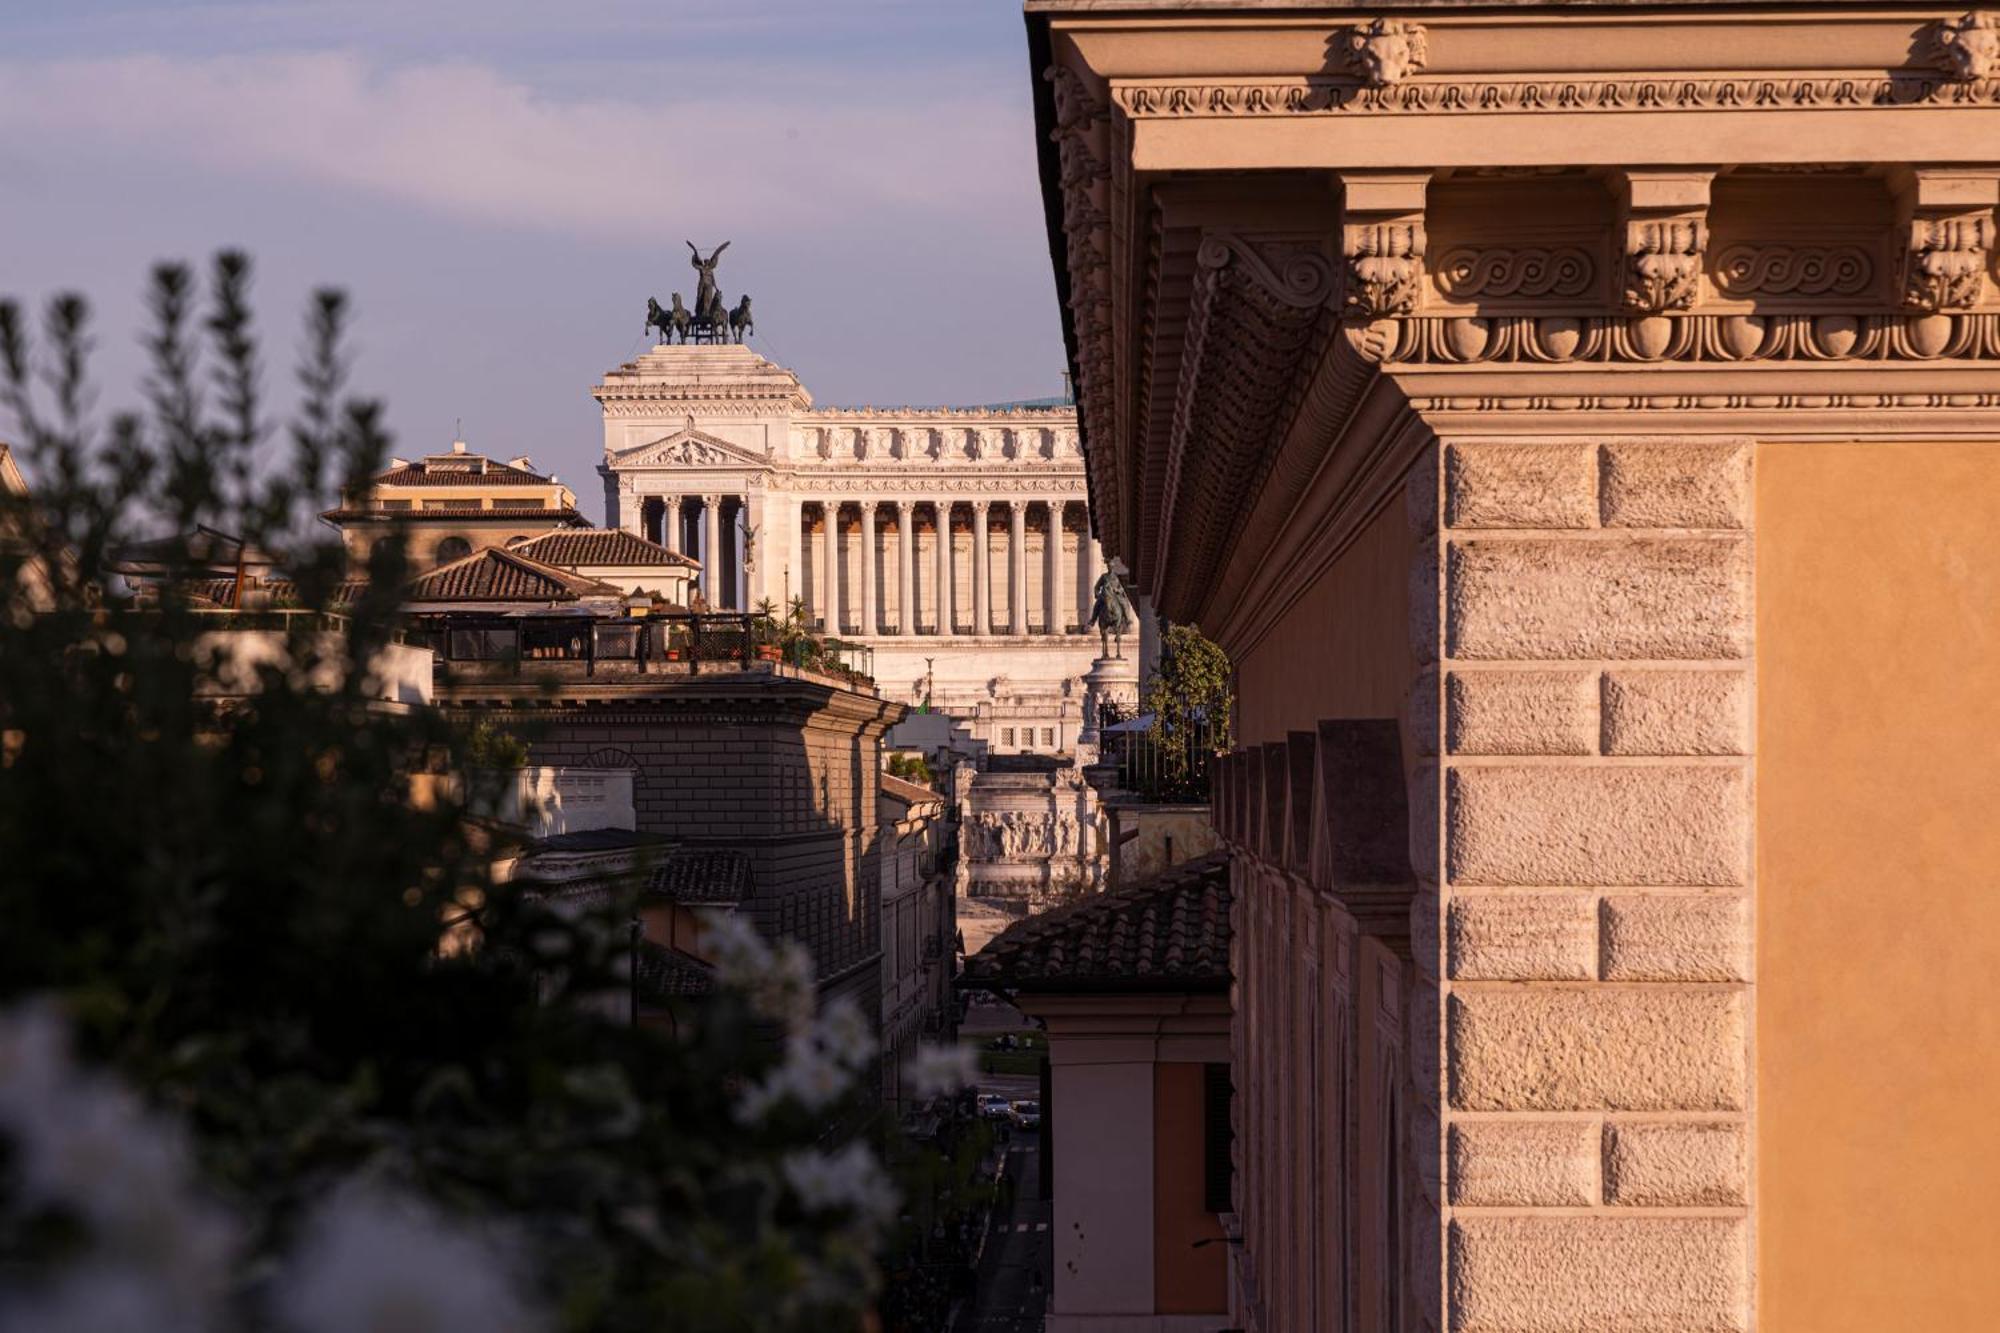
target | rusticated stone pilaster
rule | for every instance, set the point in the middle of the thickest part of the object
(1595, 683)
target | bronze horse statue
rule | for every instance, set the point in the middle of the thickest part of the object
(740, 323)
(673, 324)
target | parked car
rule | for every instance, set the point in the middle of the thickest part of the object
(994, 1107)
(1026, 1115)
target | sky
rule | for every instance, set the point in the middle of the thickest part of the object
(499, 185)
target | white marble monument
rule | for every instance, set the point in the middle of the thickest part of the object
(953, 541)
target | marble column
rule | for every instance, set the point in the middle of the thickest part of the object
(906, 574)
(1017, 566)
(670, 521)
(830, 608)
(1052, 598)
(869, 622)
(711, 550)
(942, 508)
(982, 583)
(1086, 595)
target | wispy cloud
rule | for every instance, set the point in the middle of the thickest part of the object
(467, 141)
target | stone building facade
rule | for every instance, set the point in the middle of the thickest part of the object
(723, 455)
(782, 766)
(1581, 426)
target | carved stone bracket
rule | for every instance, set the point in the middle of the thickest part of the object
(1946, 265)
(1382, 243)
(1665, 228)
(1385, 262)
(1948, 235)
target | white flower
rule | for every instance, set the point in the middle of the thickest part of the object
(844, 1034)
(783, 990)
(375, 1263)
(936, 1069)
(849, 1178)
(85, 1143)
(732, 943)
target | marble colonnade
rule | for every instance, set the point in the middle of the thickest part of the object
(929, 587)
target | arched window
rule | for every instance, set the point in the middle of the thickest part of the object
(453, 548)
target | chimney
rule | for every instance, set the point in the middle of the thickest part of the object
(458, 446)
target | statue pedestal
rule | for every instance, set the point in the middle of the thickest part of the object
(1110, 680)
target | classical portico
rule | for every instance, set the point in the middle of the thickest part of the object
(954, 541)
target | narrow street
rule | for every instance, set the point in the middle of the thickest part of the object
(1013, 1272)
(1014, 1268)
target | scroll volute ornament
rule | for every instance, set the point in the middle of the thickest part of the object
(1964, 49)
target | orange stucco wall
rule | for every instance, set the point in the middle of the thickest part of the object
(1343, 649)
(1185, 1280)
(1878, 831)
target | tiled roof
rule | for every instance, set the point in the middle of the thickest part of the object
(492, 574)
(910, 793)
(465, 473)
(704, 875)
(662, 972)
(1170, 933)
(259, 593)
(598, 546)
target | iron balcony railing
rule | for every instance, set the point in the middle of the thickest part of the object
(672, 641)
(1168, 772)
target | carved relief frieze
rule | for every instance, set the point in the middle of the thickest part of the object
(1964, 49)
(1793, 269)
(1468, 273)
(922, 484)
(1663, 263)
(1313, 97)
(1383, 51)
(1945, 267)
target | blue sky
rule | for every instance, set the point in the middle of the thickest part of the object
(500, 185)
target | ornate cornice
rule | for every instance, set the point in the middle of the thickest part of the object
(1255, 310)
(1551, 339)
(1084, 186)
(1159, 100)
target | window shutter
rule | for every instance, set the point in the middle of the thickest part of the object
(1216, 1138)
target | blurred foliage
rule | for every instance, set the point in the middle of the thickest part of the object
(1191, 697)
(242, 911)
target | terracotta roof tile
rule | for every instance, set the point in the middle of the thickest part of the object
(492, 574)
(662, 972)
(703, 875)
(1170, 933)
(598, 546)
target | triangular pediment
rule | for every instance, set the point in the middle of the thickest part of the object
(687, 447)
